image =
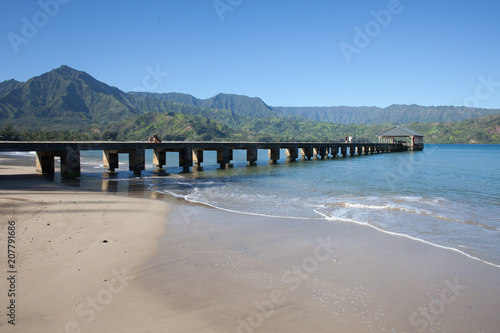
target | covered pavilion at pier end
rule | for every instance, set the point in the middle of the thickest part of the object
(410, 139)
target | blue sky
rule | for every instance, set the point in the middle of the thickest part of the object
(292, 53)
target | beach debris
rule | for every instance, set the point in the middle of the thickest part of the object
(105, 241)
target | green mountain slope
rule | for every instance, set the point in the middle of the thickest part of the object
(173, 126)
(396, 114)
(64, 98)
(238, 104)
(9, 85)
(481, 130)
(151, 104)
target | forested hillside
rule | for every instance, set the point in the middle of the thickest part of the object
(69, 104)
(395, 114)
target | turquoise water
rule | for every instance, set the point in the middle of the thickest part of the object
(447, 195)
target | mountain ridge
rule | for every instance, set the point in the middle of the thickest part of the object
(396, 113)
(254, 106)
(65, 94)
(66, 99)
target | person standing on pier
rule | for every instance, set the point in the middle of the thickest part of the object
(154, 139)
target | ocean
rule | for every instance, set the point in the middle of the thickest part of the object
(446, 195)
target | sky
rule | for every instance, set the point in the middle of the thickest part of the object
(287, 52)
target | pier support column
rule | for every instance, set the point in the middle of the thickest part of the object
(274, 155)
(365, 150)
(292, 153)
(334, 151)
(110, 160)
(320, 151)
(252, 156)
(159, 158)
(197, 157)
(44, 162)
(70, 163)
(323, 152)
(186, 159)
(136, 161)
(343, 151)
(224, 157)
(306, 152)
(315, 153)
(352, 150)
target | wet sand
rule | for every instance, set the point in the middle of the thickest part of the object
(243, 273)
(206, 270)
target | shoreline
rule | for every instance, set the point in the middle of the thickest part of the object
(211, 270)
(325, 218)
(258, 274)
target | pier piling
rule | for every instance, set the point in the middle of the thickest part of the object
(190, 153)
(252, 156)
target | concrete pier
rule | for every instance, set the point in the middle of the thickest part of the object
(137, 158)
(307, 152)
(274, 155)
(70, 162)
(185, 158)
(224, 157)
(190, 153)
(292, 153)
(197, 157)
(252, 156)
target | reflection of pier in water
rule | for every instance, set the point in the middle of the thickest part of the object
(190, 153)
(111, 184)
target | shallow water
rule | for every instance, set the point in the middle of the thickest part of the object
(447, 195)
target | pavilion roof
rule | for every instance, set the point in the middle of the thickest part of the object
(399, 132)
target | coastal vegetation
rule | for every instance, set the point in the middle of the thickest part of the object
(176, 127)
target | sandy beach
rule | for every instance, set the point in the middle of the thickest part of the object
(243, 273)
(78, 255)
(93, 262)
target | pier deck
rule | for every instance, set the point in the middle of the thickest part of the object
(190, 153)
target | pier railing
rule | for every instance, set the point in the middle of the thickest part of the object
(190, 153)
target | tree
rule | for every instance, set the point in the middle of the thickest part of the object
(109, 135)
(8, 134)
